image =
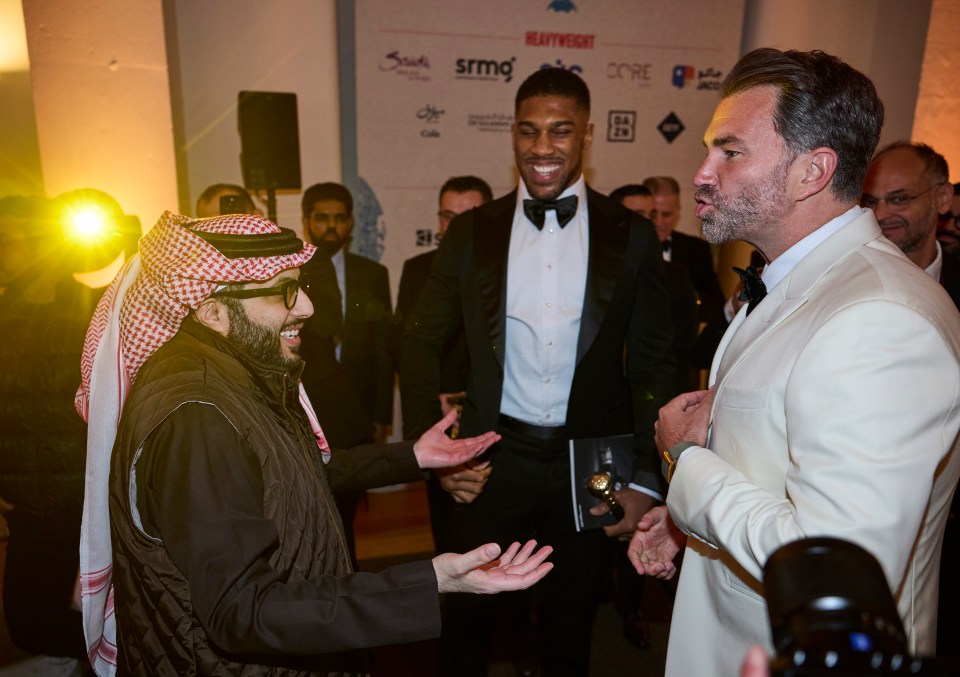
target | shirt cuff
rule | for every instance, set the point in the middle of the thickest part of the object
(646, 490)
(679, 450)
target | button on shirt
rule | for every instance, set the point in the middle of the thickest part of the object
(546, 281)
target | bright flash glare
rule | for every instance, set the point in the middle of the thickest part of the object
(88, 224)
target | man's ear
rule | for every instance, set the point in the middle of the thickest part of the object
(212, 313)
(817, 168)
(588, 136)
(944, 197)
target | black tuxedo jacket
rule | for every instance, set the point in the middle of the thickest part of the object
(624, 362)
(694, 253)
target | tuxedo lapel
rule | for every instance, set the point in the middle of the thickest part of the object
(491, 237)
(773, 310)
(608, 246)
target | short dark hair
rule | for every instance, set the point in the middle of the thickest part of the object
(246, 202)
(630, 190)
(325, 191)
(934, 165)
(662, 185)
(465, 184)
(821, 101)
(555, 82)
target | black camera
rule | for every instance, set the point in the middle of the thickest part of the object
(832, 613)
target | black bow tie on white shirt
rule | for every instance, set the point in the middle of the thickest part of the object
(536, 210)
(753, 287)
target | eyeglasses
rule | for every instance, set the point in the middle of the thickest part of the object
(289, 289)
(896, 202)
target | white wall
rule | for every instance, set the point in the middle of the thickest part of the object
(101, 95)
(225, 46)
(937, 116)
(20, 172)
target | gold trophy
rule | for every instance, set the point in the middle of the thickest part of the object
(600, 485)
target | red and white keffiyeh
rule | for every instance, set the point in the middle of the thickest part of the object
(143, 308)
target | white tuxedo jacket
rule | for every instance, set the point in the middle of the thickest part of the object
(836, 414)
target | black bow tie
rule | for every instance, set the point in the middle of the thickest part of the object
(536, 210)
(753, 287)
(665, 245)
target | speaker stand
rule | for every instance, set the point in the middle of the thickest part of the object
(272, 204)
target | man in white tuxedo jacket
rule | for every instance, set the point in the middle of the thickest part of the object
(835, 400)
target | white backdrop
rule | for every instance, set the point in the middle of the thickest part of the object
(435, 86)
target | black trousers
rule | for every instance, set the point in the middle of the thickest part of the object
(527, 496)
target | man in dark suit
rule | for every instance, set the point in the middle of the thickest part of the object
(907, 186)
(567, 321)
(349, 373)
(362, 347)
(686, 250)
(683, 295)
(457, 195)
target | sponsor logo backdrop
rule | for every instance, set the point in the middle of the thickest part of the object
(435, 85)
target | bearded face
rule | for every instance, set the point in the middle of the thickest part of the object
(261, 341)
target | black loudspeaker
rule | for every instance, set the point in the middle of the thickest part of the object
(269, 140)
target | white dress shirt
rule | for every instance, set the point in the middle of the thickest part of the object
(546, 282)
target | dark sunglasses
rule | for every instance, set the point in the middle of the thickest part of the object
(288, 289)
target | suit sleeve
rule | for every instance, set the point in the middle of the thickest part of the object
(372, 465)
(433, 320)
(650, 360)
(200, 491)
(867, 409)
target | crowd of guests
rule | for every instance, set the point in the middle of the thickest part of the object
(252, 416)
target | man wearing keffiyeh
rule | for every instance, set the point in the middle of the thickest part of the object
(210, 541)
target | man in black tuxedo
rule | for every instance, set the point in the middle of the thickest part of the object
(349, 372)
(680, 289)
(907, 186)
(686, 250)
(567, 321)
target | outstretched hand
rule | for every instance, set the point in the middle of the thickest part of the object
(435, 450)
(655, 543)
(481, 572)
